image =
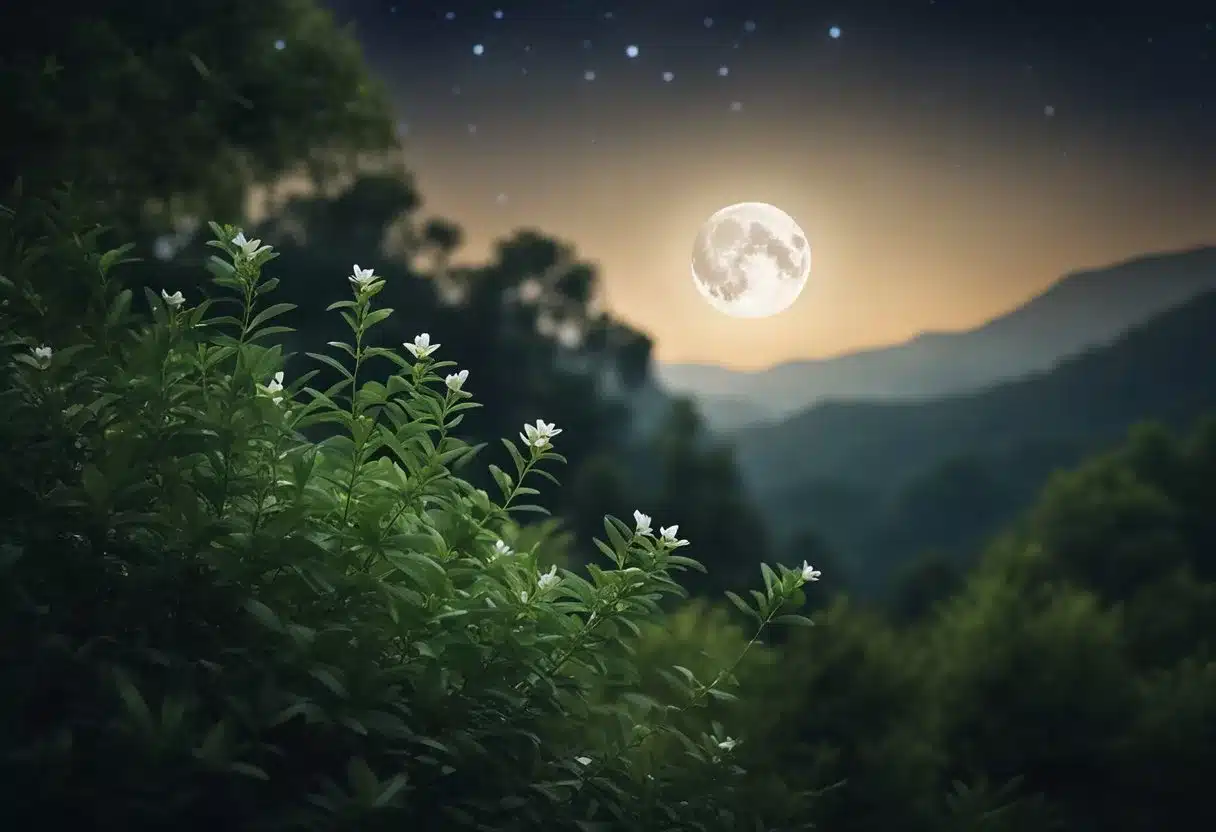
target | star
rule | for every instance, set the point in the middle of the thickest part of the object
(724, 71)
(280, 44)
(749, 25)
(1049, 111)
(450, 16)
(478, 49)
(708, 22)
(589, 75)
(631, 51)
(498, 14)
(834, 32)
(669, 76)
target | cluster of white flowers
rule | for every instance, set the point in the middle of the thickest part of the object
(249, 249)
(362, 278)
(422, 346)
(540, 435)
(667, 534)
(275, 387)
(42, 355)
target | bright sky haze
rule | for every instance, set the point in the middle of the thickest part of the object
(947, 159)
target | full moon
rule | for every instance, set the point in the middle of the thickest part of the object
(750, 260)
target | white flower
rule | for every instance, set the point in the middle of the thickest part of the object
(362, 277)
(276, 386)
(43, 356)
(727, 744)
(548, 579)
(422, 346)
(539, 435)
(642, 521)
(456, 380)
(809, 573)
(523, 596)
(668, 533)
(583, 761)
(174, 300)
(249, 248)
(502, 550)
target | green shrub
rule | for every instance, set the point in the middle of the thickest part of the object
(211, 622)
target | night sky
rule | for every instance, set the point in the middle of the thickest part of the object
(946, 158)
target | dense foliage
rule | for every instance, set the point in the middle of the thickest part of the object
(233, 599)
(216, 621)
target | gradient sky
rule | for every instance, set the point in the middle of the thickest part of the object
(947, 158)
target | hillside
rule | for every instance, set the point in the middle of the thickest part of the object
(1080, 311)
(859, 473)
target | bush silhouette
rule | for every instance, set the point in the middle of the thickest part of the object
(213, 621)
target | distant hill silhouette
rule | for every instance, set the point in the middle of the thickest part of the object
(871, 476)
(1080, 311)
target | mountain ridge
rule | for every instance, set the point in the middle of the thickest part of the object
(1082, 309)
(883, 482)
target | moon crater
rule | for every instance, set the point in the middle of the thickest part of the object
(750, 260)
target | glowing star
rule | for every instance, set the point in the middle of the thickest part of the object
(834, 32)
(280, 44)
(589, 75)
(723, 71)
(708, 23)
(498, 14)
(669, 76)
(478, 49)
(631, 51)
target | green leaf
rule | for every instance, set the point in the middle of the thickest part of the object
(390, 791)
(375, 317)
(327, 678)
(503, 479)
(332, 362)
(213, 744)
(614, 536)
(248, 770)
(770, 579)
(362, 779)
(264, 614)
(272, 311)
(680, 560)
(742, 606)
(119, 308)
(134, 702)
(532, 509)
(686, 673)
(794, 620)
(519, 460)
